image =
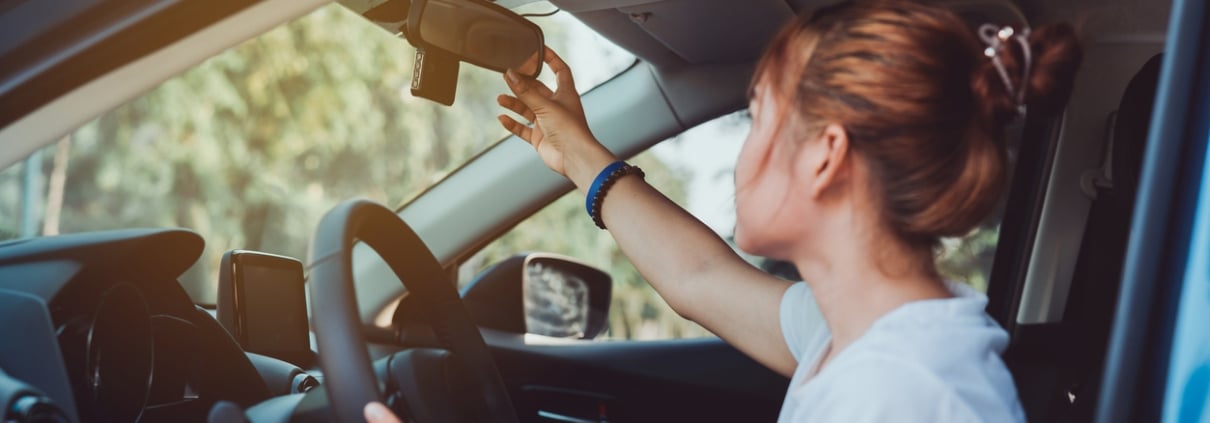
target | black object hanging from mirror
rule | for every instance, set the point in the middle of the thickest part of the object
(435, 75)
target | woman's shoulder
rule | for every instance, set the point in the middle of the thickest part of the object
(866, 387)
(894, 378)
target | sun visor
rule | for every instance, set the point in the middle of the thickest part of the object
(694, 32)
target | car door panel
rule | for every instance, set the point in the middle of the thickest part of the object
(672, 380)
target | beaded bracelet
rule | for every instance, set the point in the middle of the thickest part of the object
(601, 185)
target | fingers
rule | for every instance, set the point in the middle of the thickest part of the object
(532, 93)
(517, 128)
(555, 62)
(532, 64)
(516, 106)
(560, 68)
(375, 412)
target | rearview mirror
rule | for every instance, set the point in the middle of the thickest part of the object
(477, 32)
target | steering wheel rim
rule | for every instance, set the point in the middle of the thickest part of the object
(343, 356)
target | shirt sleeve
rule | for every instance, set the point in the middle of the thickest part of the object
(802, 324)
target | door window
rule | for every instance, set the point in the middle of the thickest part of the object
(694, 169)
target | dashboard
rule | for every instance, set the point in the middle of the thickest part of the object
(97, 325)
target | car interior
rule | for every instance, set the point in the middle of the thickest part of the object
(106, 333)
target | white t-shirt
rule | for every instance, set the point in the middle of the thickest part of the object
(926, 361)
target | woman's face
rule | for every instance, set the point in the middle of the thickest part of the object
(768, 208)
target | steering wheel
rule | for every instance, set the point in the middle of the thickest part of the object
(349, 379)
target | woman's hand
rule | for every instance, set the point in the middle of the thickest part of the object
(560, 131)
(375, 412)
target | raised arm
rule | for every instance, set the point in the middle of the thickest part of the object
(695, 271)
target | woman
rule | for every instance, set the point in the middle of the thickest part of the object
(877, 130)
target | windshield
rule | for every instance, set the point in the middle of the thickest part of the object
(252, 146)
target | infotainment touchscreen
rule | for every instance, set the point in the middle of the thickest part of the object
(262, 302)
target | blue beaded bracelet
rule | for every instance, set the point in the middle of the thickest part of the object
(600, 186)
(600, 180)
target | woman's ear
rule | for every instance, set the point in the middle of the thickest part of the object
(826, 159)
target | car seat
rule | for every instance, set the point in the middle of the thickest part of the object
(1058, 366)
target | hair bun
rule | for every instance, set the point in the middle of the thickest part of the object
(1056, 56)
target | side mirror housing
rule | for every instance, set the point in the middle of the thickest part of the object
(543, 294)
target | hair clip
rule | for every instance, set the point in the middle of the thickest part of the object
(995, 39)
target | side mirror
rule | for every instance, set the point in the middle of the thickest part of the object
(542, 294)
(565, 298)
(477, 32)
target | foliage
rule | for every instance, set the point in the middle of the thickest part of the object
(969, 259)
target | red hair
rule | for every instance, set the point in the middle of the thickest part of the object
(919, 101)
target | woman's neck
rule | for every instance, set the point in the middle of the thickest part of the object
(855, 288)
